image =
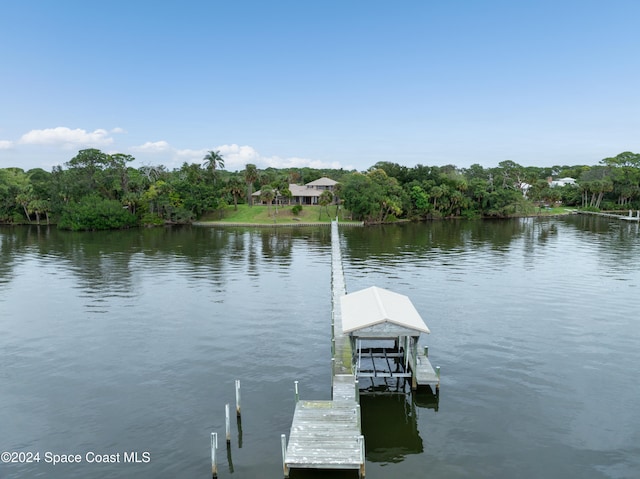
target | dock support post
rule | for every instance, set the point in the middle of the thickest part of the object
(362, 455)
(285, 468)
(295, 383)
(227, 423)
(238, 397)
(357, 391)
(214, 462)
(414, 363)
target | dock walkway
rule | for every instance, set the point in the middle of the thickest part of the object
(328, 434)
(630, 217)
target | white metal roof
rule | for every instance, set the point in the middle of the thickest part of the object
(324, 181)
(372, 306)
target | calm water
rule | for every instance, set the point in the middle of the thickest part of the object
(131, 342)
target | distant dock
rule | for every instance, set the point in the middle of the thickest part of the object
(632, 216)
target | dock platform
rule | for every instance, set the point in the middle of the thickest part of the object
(325, 435)
(425, 374)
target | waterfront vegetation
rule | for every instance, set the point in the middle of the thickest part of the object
(95, 191)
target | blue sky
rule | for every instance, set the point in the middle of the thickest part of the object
(321, 84)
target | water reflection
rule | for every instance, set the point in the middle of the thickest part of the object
(390, 426)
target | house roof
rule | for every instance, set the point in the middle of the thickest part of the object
(373, 306)
(324, 181)
(297, 190)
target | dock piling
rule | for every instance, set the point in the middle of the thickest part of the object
(229, 458)
(227, 423)
(238, 397)
(285, 468)
(295, 383)
(362, 456)
(239, 426)
(214, 463)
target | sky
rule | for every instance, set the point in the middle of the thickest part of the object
(327, 84)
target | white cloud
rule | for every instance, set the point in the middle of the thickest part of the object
(190, 156)
(67, 137)
(6, 144)
(153, 147)
(236, 157)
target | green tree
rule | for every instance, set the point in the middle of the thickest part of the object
(236, 188)
(419, 201)
(251, 175)
(373, 196)
(213, 161)
(93, 212)
(267, 194)
(325, 199)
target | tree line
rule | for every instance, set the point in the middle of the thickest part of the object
(95, 190)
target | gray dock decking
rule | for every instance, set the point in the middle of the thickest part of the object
(425, 374)
(325, 435)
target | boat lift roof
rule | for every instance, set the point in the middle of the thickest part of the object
(371, 307)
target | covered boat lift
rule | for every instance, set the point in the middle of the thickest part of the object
(373, 317)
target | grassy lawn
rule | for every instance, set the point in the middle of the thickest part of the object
(260, 214)
(556, 210)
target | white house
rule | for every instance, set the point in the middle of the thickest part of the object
(561, 182)
(307, 194)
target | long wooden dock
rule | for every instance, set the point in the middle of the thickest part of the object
(327, 434)
(632, 216)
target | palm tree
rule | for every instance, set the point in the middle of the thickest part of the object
(326, 197)
(213, 161)
(235, 187)
(267, 194)
(251, 175)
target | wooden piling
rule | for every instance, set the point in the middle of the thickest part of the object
(227, 423)
(295, 383)
(214, 462)
(238, 397)
(362, 456)
(285, 468)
